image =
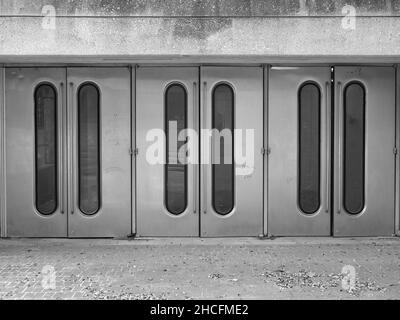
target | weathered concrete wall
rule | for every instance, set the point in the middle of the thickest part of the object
(199, 7)
(200, 28)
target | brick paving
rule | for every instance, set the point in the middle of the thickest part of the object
(81, 272)
(197, 268)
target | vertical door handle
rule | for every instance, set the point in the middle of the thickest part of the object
(71, 149)
(340, 131)
(61, 148)
(327, 146)
(194, 145)
(205, 155)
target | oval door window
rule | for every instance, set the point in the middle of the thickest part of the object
(175, 169)
(222, 146)
(354, 148)
(45, 149)
(89, 149)
(309, 117)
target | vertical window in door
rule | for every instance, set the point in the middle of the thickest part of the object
(45, 149)
(309, 117)
(354, 148)
(223, 169)
(175, 171)
(89, 148)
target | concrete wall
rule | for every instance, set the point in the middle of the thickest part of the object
(199, 28)
(200, 7)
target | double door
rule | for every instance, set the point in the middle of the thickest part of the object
(199, 166)
(331, 167)
(68, 164)
(199, 161)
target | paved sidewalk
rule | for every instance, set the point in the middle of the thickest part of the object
(240, 268)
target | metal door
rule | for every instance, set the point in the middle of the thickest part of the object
(299, 147)
(364, 151)
(232, 160)
(99, 161)
(2, 160)
(167, 186)
(35, 157)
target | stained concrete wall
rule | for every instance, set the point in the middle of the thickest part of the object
(199, 7)
(199, 28)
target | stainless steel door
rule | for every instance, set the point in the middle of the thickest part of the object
(232, 169)
(167, 192)
(299, 159)
(364, 158)
(99, 167)
(35, 157)
(3, 226)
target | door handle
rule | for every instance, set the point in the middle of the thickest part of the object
(61, 149)
(339, 104)
(72, 151)
(327, 133)
(194, 148)
(204, 148)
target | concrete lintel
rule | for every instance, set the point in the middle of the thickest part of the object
(28, 60)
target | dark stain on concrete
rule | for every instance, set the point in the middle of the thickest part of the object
(199, 8)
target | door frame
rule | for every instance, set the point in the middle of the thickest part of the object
(3, 224)
(133, 151)
(397, 145)
(266, 69)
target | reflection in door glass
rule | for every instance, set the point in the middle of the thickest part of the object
(46, 149)
(354, 148)
(175, 171)
(89, 148)
(309, 148)
(223, 170)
